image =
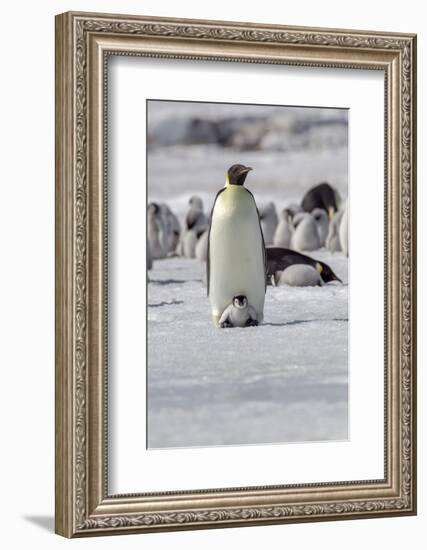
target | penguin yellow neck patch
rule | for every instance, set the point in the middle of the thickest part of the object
(319, 268)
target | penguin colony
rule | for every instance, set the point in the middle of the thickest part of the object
(246, 248)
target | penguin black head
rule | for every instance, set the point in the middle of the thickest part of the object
(326, 273)
(240, 301)
(237, 174)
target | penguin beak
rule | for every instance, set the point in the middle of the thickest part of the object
(245, 170)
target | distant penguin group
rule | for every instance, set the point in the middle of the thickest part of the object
(246, 248)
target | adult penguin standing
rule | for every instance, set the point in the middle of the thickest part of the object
(236, 263)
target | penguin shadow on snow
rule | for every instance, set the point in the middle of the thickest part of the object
(173, 281)
(302, 322)
(171, 303)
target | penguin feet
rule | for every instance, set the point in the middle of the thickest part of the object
(225, 324)
(251, 323)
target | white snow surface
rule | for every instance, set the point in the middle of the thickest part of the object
(287, 379)
(283, 381)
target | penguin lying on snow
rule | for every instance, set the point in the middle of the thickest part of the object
(278, 259)
(236, 260)
(297, 275)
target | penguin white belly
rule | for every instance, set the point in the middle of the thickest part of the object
(236, 256)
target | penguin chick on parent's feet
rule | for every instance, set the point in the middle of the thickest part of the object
(236, 262)
(238, 314)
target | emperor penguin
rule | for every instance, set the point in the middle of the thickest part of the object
(283, 234)
(156, 232)
(269, 221)
(294, 208)
(322, 223)
(194, 221)
(202, 245)
(322, 196)
(195, 216)
(279, 259)
(306, 235)
(236, 262)
(173, 227)
(188, 244)
(333, 239)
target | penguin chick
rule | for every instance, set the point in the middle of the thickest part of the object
(333, 239)
(298, 217)
(283, 234)
(293, 209)
(201, 250)
(322, 223)
(269, 221)
(188, 243)
(297, 275)
(306, 235)
(155, 232)
(195, 216)
(238, 314)
(172, 226)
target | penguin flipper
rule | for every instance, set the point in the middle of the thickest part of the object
(224, 320)
(264, 251)
(252, 314)
(209, 240)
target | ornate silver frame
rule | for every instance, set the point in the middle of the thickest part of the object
(83, 42)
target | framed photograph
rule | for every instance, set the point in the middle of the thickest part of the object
(235, 274)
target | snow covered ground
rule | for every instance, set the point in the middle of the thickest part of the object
(284, 381)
